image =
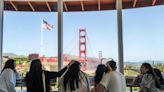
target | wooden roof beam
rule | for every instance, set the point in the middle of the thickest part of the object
(33, 9)
(99, 5)
(82, 6)
(14, 6)
(65, 6)
(48, 6)
(154, 2)
(134, 3)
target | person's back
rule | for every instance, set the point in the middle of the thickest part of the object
(7, 81)
(33, 85)
(8, 77)
(83, 84)
(117, 82)
(114, 82)
(75, 80)
(34, 78)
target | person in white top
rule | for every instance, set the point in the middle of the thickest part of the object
(8, 77)
(112, 81)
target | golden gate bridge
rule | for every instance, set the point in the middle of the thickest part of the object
(82, 50)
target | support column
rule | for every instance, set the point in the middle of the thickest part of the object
(60, 34)
(1, 32)
(60, 38)
(120, 36)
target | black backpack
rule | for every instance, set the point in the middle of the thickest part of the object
(159, 75)
(158, 78)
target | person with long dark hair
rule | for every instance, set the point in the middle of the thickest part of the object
(112, 81)
(75, 80)
(100, 71)
(34, 78)
(149, 80)
(8, 77)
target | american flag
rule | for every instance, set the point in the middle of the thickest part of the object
(47, 26)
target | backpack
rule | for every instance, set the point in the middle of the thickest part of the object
(158, 78)
(159, 75)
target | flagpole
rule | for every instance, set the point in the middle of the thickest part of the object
(41, 39)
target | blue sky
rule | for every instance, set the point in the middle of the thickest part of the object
(143, 33)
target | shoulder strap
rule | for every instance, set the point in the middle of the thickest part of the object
(60, 80)
(86, 79)
(44, 84)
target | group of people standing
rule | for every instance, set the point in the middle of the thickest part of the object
(38, 80)
(106, 79)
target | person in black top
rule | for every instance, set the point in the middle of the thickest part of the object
(33, 79)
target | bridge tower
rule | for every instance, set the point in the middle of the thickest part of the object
(83, 48)
(100, 56)
(82, 45)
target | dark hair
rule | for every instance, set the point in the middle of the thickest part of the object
(101, 69)
(112, 64)
(159, 75)
(35, 66)
(10, 63)
(72, 76)
(34, 76)
(151, 71)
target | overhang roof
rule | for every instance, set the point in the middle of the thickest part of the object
(75, 5)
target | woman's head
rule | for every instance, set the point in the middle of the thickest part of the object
(72, 76)
(101, 69)
(146, 68)
(36, 66)
(10, 63)
(111, 65)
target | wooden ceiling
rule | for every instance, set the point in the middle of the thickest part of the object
(75, 5)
